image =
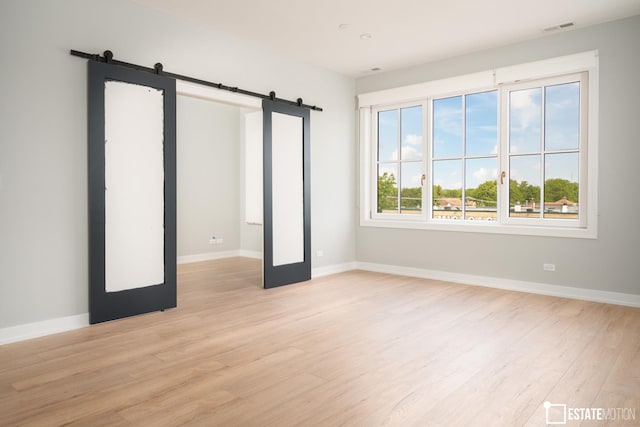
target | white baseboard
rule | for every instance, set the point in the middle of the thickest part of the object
(208, 256)
(332, 269)
(250, 254)
(618, 298)
(316, 272)
(42, 328)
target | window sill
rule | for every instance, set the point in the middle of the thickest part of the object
(484, 227)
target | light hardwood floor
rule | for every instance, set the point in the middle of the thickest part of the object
(357, 348)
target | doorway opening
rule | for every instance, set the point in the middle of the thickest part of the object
(219, 177)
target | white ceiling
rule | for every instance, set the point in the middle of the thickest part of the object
(403, 32)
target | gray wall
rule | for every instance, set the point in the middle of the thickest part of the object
(208, 158)
(608, 263)
(43, 136)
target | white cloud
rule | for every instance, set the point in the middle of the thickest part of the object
(484, 174)
(447, 119)
(412, 139)
(520, 99)
(408, 153)
(525, 110)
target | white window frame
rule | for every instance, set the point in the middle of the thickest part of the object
(374, 153)
(370, 103)
(463, 157)
(581, 222)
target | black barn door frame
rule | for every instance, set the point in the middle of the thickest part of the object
(103, 305)
(297, 272)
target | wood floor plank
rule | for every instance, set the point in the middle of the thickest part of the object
(355, 348)
(178, 408)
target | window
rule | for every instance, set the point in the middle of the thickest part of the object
(399, 161)
(544, 149)
(493, 153)
(464, 164)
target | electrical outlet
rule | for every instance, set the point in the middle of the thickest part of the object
(549, 267)
(319, 253)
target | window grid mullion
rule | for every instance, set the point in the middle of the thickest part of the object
(399, 162)
(427, 188)
(464, 158)
(543, 142)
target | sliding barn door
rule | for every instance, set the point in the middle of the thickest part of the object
(132, 192)
(287, 194)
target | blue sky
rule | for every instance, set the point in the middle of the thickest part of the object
(410, 126)
(473, 120)
(561, 123)
(480, 133)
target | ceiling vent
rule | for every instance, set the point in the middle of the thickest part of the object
(559, 27)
